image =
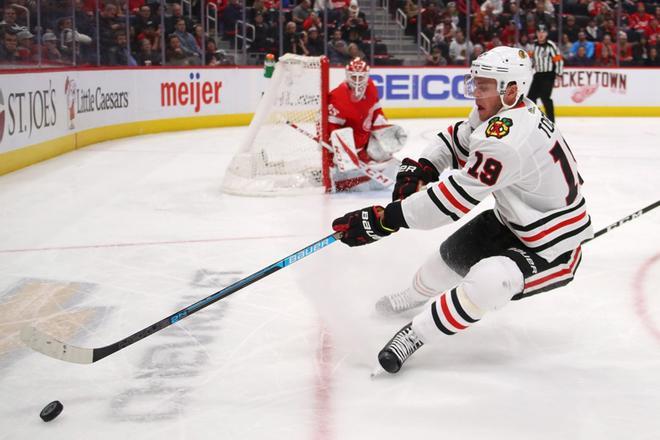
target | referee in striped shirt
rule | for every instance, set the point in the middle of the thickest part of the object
(547, 64)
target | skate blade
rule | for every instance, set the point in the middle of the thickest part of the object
(377, 372)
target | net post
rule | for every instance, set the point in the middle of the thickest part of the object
(324, 135)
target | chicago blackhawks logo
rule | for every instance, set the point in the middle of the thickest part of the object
(498, 127)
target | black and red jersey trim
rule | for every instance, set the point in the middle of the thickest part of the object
(562, 237)
(440, 206)
(459, 189)
(547, 219)
(454, 159)
(454, 135)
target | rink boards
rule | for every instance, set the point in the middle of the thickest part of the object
(44, 114)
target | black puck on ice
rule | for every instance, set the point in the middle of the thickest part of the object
(52, 410)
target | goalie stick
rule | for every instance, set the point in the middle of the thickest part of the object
(366, 169)
(50, 346)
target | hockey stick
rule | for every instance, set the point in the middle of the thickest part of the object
(624, 220)
(366, 169)
(43, 343)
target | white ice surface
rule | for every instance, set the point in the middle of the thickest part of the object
(140, 227)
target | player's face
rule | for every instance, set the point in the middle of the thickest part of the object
(487, 98)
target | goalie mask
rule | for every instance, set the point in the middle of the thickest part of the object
(504, 65)
(357, 77)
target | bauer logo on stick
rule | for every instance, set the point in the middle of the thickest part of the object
(498, 127)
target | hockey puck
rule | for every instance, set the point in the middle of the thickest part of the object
(52, 410)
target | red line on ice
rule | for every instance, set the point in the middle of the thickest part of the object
(323, 387)
(640, 297)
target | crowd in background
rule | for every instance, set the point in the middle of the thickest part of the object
(154, 32)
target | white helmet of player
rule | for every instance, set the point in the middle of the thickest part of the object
(357, 77)
(505, 65)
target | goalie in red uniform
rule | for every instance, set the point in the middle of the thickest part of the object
(358, 127)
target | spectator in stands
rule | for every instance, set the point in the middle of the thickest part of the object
(140, 21)
(175, 55)
(444, 32)
(8, 23)
(459, 49)
(543, 13)
(214, 57)
(108, 24)
(652, 30)
(571, 29)
(354, 51)
(147, 56)
(606, 52)
(593, 31)
(119, 54)
(609, 27)
(430, 19)
(597, 8)
(314, 42)
(24, 46)
(580, 58)
(515, 15)
(151, 32)
(198, 34)
(176, 14)
(525, 44)
(290, 38)
(653, 60)
(230, 15)
(565, 47)
(625, 50)
(583, 42)
(640, 19)
(264, 36)
(300, 13)
(8, 50)
(337, 49)
(435, 58)
(49, 51)
(477, 50)
(356, 20)
(188, 43)
(508, 34)
(640, 51)
(452, 12)
(411, 11)
(496, 7)
(484, 30)
(313, 21)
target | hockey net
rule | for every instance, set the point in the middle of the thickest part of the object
(276, 158)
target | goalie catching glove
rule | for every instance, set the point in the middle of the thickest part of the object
(368, 225)
(413, 176)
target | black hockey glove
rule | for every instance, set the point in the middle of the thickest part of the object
(363, 226)
(412, 176)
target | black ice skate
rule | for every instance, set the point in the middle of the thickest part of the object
(404, 343)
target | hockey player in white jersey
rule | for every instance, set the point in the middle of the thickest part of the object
(527, 244)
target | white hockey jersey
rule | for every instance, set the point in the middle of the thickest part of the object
(521, 158)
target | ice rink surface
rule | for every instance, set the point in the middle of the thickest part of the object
(101, 242)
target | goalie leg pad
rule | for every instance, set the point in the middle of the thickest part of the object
(345, 154)
(386, 141)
